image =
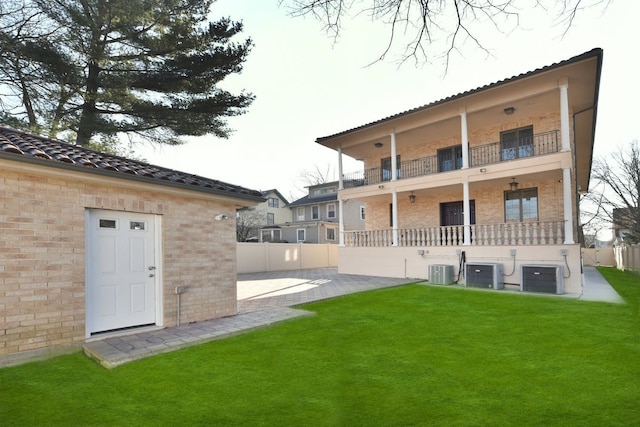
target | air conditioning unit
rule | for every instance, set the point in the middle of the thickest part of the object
(441, 274)
(483, 275)
(542, 278)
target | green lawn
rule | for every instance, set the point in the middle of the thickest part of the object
(413, 355)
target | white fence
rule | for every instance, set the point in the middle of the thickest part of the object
(628, 257)
(260, 257)
(598, 256)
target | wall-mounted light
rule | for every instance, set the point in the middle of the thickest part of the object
(483, 170)
(221, 217)
(513, 184)
(378, 145)
(412, 198)
(509, 110)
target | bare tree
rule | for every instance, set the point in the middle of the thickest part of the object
(419, 24)
(308, 177)
(619, 173)
(248, 222)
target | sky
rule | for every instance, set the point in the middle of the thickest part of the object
(307, 85)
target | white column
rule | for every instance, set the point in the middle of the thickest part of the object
(394, 165)
(465, 139)
(394, 216)
(564, 116)
(340, 182)
(340, 202)
(568, 206)
(466, 206)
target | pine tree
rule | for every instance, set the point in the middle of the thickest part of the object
(149, 68)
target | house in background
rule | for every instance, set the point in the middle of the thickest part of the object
(272, 211)
(315, 218)
(93, 242)
(623, 225)
(487, 179)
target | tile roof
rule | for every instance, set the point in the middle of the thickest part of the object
(21, 146)
(596, 52)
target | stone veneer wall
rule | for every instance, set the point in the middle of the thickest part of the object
(42, 255)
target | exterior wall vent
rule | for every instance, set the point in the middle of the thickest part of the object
(483, 275)
(441, 274)
(542, 278)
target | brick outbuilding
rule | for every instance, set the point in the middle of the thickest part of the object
(94, 243)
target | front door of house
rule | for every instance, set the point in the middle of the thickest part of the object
(452, 213)
(121, 270)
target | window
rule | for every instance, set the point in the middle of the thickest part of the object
(385, 168)
(301, 232)
(273, 202)
(331, 234)
(270, 235)
(108, 223)
(517, 143)
(521, 205)
(362, 212)
(300, 213)
(324, 191)
(315, 212)
(270, 219)
(450, 158)
(331, 210)
(137, 225)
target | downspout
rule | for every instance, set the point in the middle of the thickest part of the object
(575, 165)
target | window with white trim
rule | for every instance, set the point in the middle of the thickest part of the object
(315, 212)
(331, 210)
(270, 235)
(273, 202)
(301, 234)
(331, 233)
(270, 219)
(300, 213)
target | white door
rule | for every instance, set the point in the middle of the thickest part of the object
(121, 271)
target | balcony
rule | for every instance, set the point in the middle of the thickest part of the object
(481, 155)
(511, 234)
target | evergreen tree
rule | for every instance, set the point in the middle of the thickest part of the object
(149, 68)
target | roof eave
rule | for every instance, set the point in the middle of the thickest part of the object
(120, 176)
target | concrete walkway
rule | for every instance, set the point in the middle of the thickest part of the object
(596, 288)
(265, 299)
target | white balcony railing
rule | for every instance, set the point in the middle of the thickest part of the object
(512, 234)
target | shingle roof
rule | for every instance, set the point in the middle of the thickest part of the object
(306, 200)
(22, 146)
(596, 52)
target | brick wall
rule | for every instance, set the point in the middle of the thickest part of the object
(42, 255)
